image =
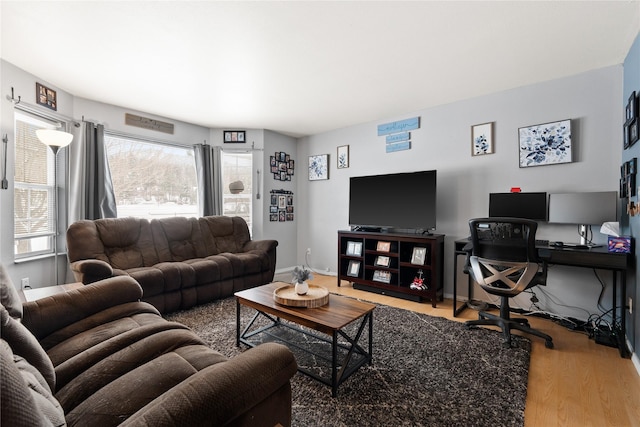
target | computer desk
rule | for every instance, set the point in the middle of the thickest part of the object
(598, 257)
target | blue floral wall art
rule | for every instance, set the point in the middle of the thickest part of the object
(545, 144)
(318, 167)
(482, 139)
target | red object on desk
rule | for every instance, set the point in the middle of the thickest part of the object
(515, 189)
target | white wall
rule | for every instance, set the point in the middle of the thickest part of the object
(443, 142)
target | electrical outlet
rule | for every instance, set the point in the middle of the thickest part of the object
(308, 251)
(24, 282)
(630, 305)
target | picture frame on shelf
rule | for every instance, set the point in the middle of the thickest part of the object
(383, 246)
(234, 136)
(353, 269)
(382, 261)
(545, 144)
(343, 157)
(382, 276)
(482, 139)
(418, 256)
(354, 248)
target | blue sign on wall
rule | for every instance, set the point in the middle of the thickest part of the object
(397, 137)
(399, 126)
(398, 146)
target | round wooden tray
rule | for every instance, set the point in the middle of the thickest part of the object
(317, 296)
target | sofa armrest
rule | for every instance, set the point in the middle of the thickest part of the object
(91, 270)
(225, 391)
(46, 315)
(260, 245)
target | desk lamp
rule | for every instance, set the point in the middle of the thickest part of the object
(55, 139)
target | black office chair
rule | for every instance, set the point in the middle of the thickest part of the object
(503, 260)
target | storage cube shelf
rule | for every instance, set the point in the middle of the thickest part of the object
(382, 263)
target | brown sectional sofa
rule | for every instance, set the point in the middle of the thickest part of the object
(97, 356)
(179, 262)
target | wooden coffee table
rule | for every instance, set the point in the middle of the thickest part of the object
(329, 319)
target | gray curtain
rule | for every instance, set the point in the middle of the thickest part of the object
(91, 190)
(208, 166)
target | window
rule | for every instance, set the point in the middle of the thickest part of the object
(237, 167)
(152, 179)
(33, 188)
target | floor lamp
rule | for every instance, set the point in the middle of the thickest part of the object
(55, 139)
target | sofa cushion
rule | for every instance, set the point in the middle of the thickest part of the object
(9, 295)
(25, 395)
(224, 234)
(177, 238)
(24, 344)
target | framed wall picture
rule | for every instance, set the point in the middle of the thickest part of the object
(318, 167)
(633, 132)
(545, 144)
(354, 268)
(482, 139)
(234, 136)
(632, 107)
(46, 97)
(343, 157)
(418, 255)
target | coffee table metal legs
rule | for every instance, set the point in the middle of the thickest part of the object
(341, 368)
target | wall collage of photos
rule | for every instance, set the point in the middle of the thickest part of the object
(281, 208)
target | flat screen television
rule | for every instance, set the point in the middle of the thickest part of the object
(519, 205)
(393, 201)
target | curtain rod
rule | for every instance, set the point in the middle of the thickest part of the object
(54, 117)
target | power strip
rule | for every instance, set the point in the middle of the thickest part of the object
(605, 337)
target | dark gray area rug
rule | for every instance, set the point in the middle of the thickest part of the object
(427, 371)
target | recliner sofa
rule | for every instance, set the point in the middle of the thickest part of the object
(179, 262)
(97, 356)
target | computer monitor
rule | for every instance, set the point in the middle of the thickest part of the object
(584, 209)
(519, 205)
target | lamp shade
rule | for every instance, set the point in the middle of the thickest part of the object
(54, 138)
(236, 187)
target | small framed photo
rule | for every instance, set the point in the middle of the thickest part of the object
(633, 132)
(382, 276)
(234, 136)
(354, 268)
(382, 261)
(625, 135)
(383, 246)
(354, 248)
(46, 97)
(343, 157)
(282, 202)
(318, 167)
(482, 139)
(418, 255)
(632, 106)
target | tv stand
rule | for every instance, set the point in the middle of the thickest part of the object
(387, 263)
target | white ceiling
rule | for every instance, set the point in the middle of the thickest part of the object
(304, 67)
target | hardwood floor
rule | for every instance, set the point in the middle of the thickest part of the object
(578, 383)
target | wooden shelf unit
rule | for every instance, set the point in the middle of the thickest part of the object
(358, 262)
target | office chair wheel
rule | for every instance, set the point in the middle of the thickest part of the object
(548, 344)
